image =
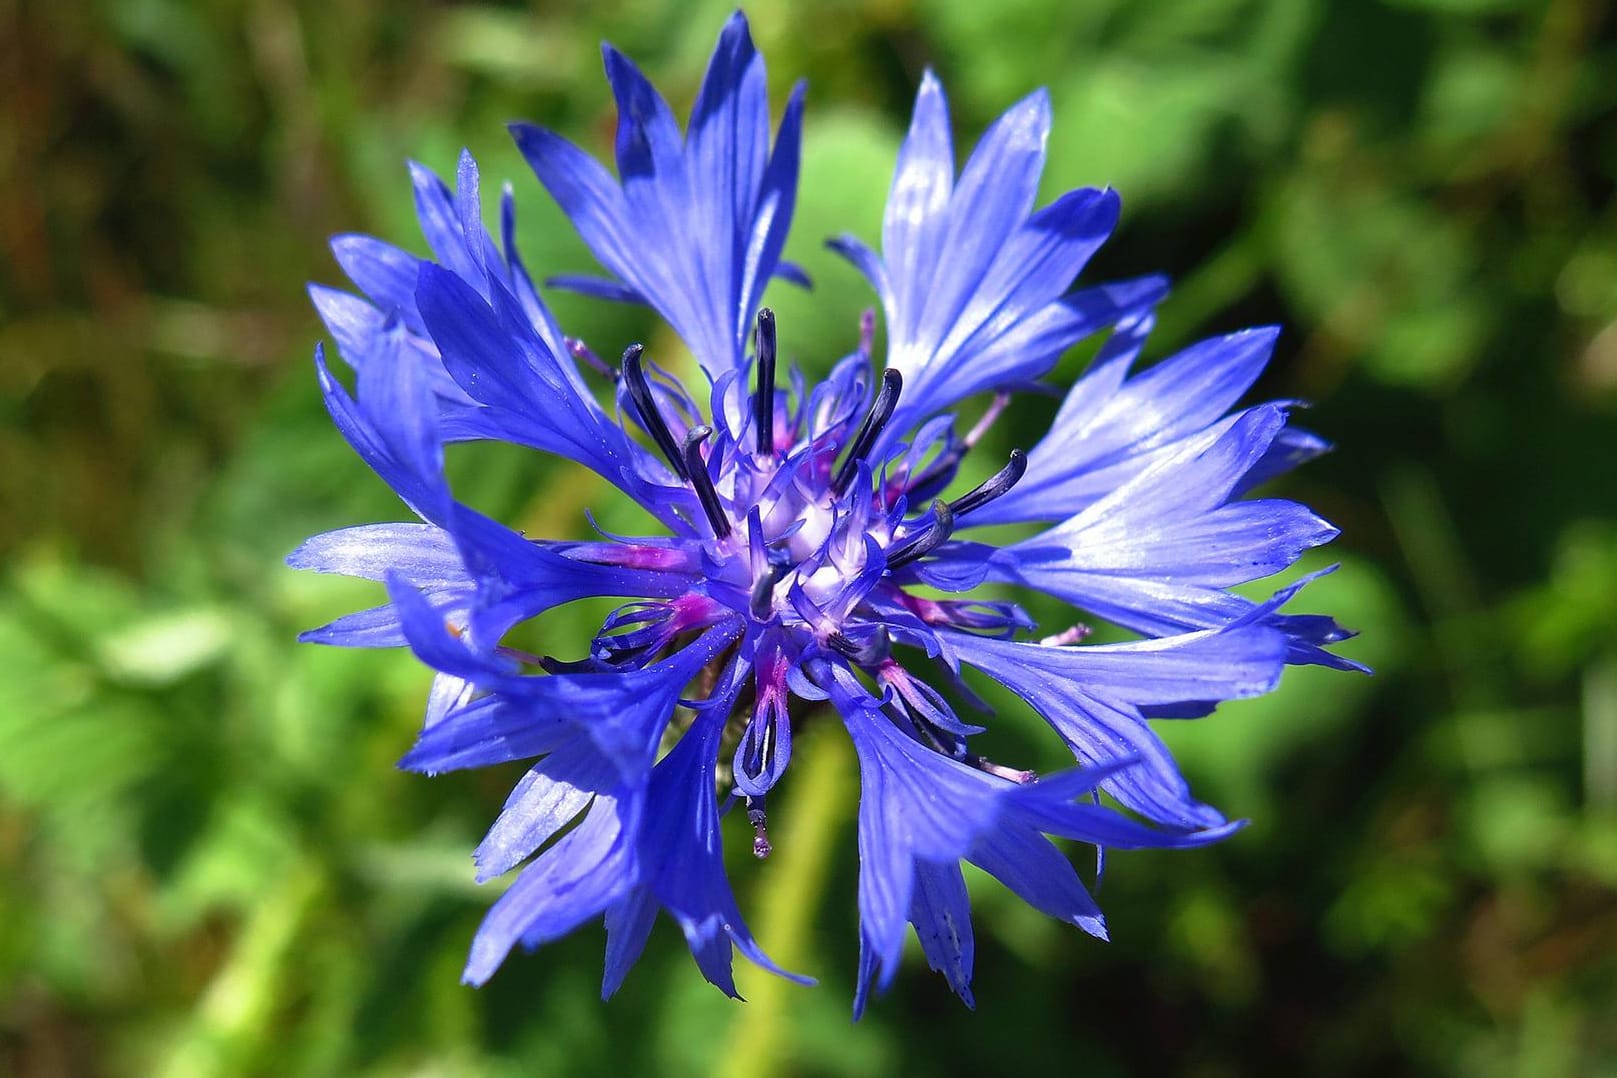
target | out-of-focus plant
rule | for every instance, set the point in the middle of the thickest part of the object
(1420, 187)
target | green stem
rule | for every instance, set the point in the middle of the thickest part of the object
(234, 1015)
(822, 797)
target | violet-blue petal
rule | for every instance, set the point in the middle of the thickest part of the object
(1100, 440)
(1091, 696)
(972, 283)
(376, 627)
(545, 800)
(628, 926)
(424, 554)
(1173, 522)
(588, 870)
(682, 855)
(504, 365)
(1292, 448)
(1027, 863)
(696, 224)
(917, 219)
(385, 273)
(389, 451)
(940, 910)
(445, 215)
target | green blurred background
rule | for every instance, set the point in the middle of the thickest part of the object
(208, 863)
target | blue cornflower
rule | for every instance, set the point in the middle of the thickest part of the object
(798, 523)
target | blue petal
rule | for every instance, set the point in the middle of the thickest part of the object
(772, 215)
(1105, 433)
(424, 554)
(886, 854)
(531, 395)
(921, 811)
(864, 260)
(502, 363)
(1091, 695)
(1052, 246)
(729, 151)
(682, 852)
(351, 321)
(1010, 327)
(447, 695)
(599, 287)
(489, 731)
(421, 554)
(539, 316)
(697, 226)
(450, 221)
(586, 872)
(1040, 874)
(377, 627)
(648, 142)
(398, 446)
(1242, 661)
(469, 209)
(622, 713)
(917, 218)
(1173, 522)
(792, 273)
(1055, 813)
(357, 326)
(586, 193)
(545, 800)
(1290, 449)
(972, 285)
(940, 910)
(628, 925)
(382, 271)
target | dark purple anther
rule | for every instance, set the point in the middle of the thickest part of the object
(760, 837)
(763, 402)
(992, 487)
(645, 406)
(763, 589)
(870, 429)
(923, 544)
(702, 483)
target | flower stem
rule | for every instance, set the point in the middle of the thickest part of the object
(233, 1019)
(822, 789)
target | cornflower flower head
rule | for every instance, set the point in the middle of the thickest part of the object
(798, 524)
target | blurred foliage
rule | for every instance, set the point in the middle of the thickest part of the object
(208, 864)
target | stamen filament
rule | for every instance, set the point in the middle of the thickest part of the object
(986, 421)
(645, 406)
(1070, 635)
(942, 469)
(880, 412)
(702, 483)
(867, 331)
(1010, 774)
(763, 402)
(584, 353)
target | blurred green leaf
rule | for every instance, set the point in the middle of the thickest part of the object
(209, 862)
